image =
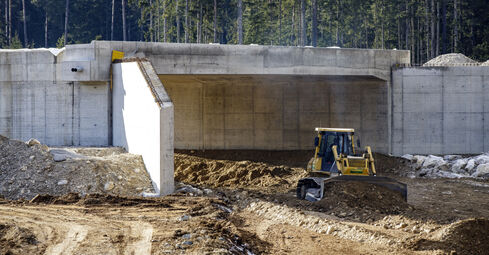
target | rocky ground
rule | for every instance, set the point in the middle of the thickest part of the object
(30, 168)
(243, 202)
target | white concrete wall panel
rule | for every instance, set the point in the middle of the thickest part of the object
(141, 125)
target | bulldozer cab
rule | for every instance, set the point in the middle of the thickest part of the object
(326, 139)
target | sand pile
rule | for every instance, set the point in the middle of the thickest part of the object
(452, 59)
(28, 169)
(234, 174)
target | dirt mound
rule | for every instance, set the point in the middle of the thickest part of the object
(470, 236)
(28, 169)
(16, 240)
(452, 59)
(354, 200)
(234, 174)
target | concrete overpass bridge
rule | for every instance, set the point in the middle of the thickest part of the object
(257, 97)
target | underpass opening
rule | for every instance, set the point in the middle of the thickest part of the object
(275, 112)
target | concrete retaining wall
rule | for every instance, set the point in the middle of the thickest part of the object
(143, 120)
(41, 98)
(440, 110)
(274, 112)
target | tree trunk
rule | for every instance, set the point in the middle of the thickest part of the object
(455, 25)
(279, 22)
(303, 23)
(186, 21)
(158, 17)
(413, 41)
(437, 29)
(124, 20)
(292, 39)
(46, 31)
(112, 21)
(151, 30)
(407, 26)
(444, 27)
(9, 22)
(66, 21)
(6, 18)
(433, 32)
(164, 23)
(25, 25)
(427, 30)
(314, 23)
(178, 21)
(215, 21)
(338, 22)
(382, 22)
(199, 25)
(399, 33)
(240, 22)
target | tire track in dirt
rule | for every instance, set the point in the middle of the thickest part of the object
(76, 233)
(142, 233)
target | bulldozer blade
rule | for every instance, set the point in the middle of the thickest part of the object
(386, 182)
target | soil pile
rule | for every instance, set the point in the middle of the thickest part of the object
(353, 200)
(18, 240)
(452, 59)
(235, 174)
(470, 236)
(28, 169)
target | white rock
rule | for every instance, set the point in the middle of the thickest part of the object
(419, 160)
(32, 157)
(451, 157)
(470, 165)
(433, 162)
(32, 142)
(62, 182)
(330, 230)
(481, 170)
(109, 186)
(59, 157)
(459, 165)
(408, 157)
(481, 159)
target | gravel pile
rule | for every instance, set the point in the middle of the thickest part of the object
(452, 59)
(449, 166)
(28, 169)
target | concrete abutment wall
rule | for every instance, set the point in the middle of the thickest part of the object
(274, 112)
(440, 110)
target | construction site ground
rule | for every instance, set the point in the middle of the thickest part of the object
(243, 202)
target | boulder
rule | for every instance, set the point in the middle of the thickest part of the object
(419, 160)
(458, 165)
(408, 157)
(33, 142)
(481, 159)
(452, 157)
(470, 166)
(434, 162)
(481, 171)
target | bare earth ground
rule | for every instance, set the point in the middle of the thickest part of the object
(245, 204)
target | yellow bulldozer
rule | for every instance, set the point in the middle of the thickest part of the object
(337, 159)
